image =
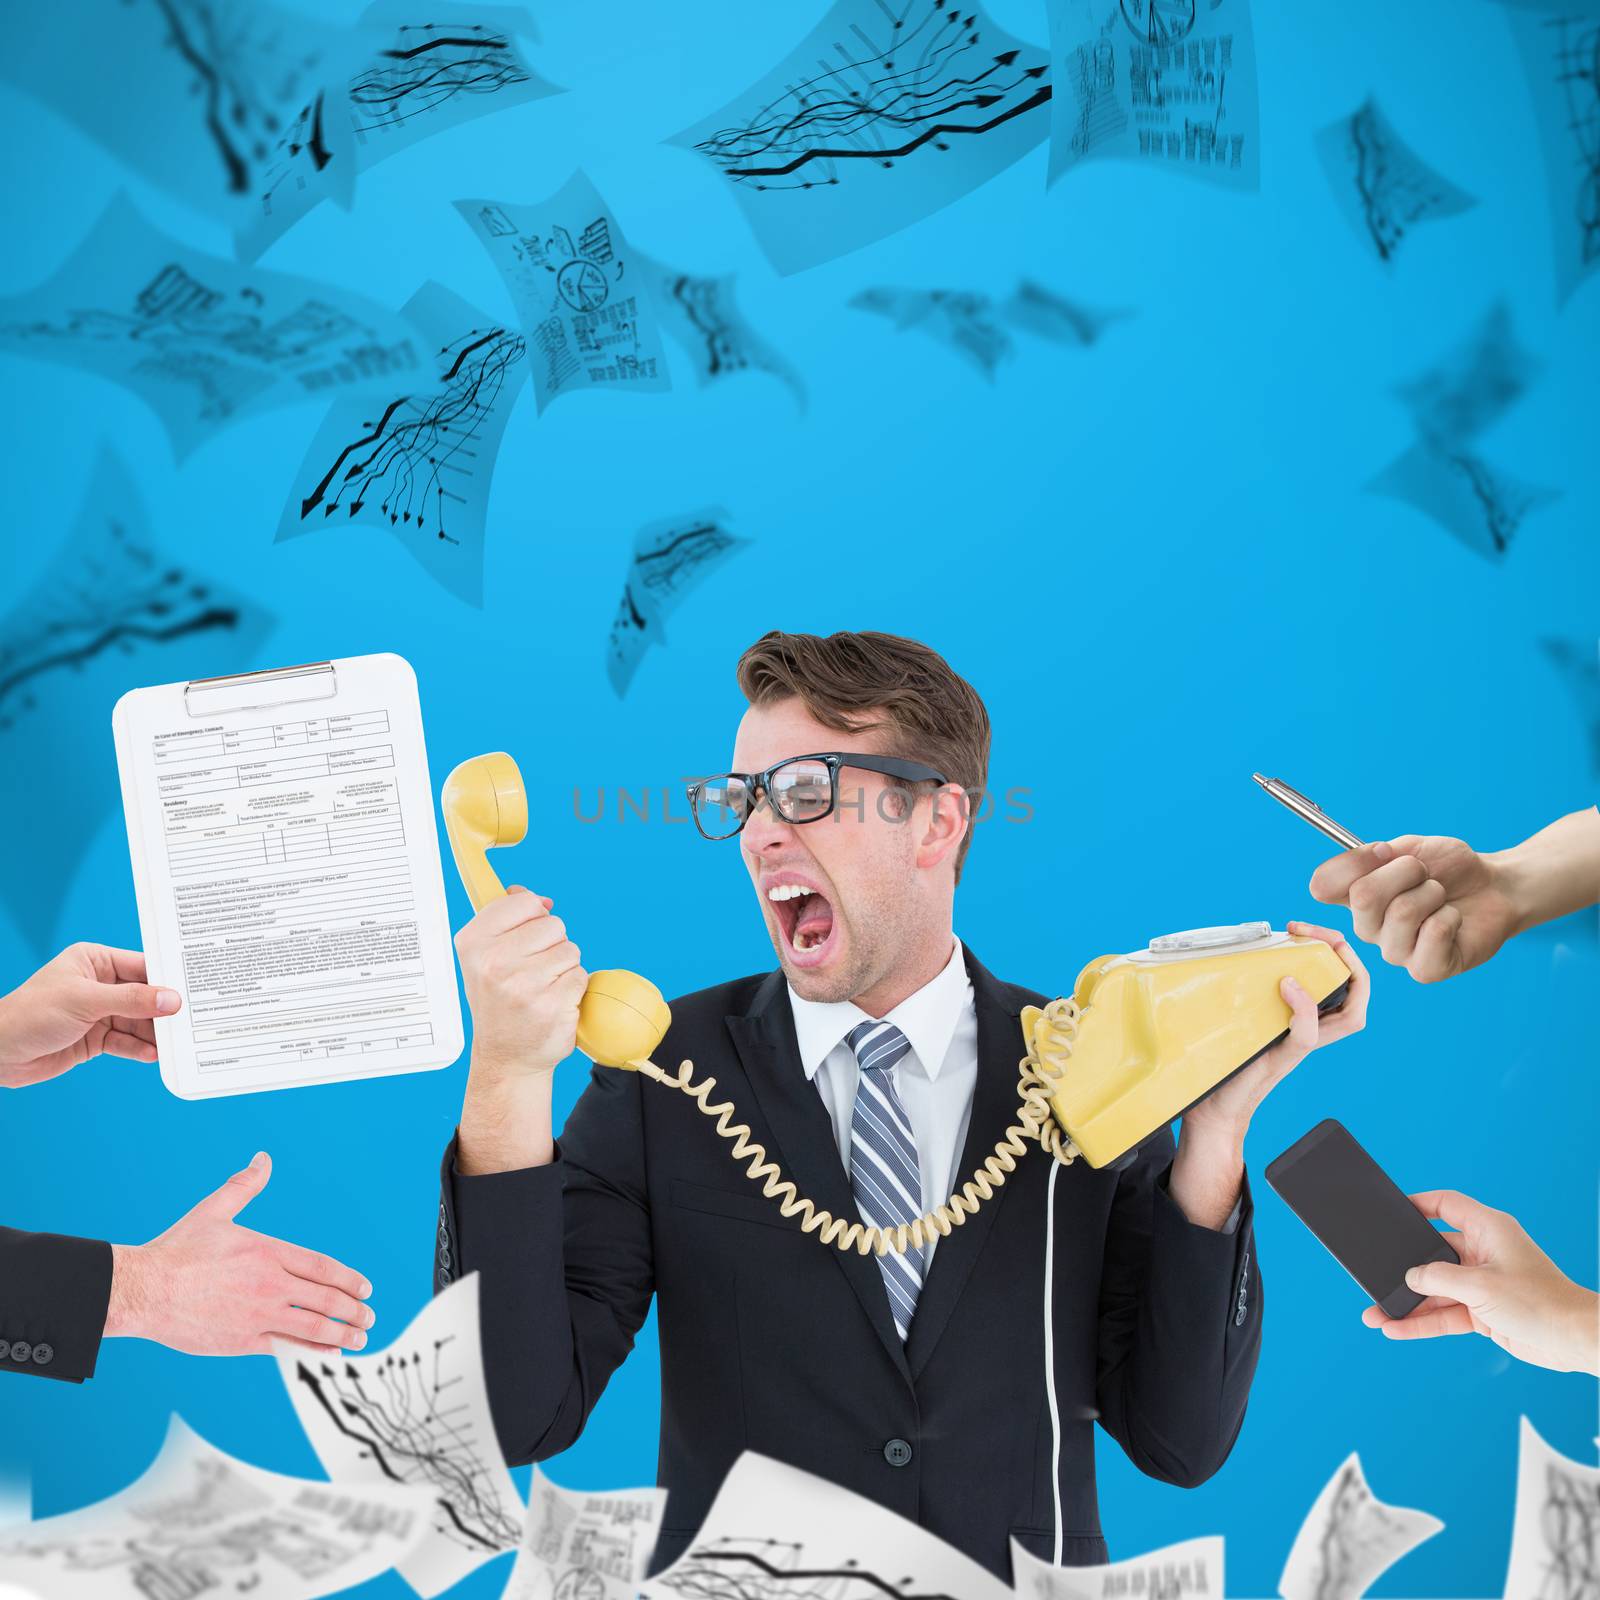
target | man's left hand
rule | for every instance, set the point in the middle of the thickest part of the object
(1209, 1167)
(1230, 1107)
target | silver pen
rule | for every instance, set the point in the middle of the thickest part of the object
(1308, 811)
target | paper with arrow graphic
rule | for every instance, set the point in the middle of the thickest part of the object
(418, 1413)
(199, 1522)
(420, 464)
(882, 115)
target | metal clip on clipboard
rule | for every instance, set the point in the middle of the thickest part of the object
(314, 680)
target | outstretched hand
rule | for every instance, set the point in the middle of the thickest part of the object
(1504, 1287)
(212, 1288)
(90, 1000)
(1432, 905)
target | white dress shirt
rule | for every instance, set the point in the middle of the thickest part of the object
(934, 1078)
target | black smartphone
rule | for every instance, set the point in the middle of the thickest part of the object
(1359, 1213)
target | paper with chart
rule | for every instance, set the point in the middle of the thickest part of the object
(582, 1546)
(422, 69)
(670, 557)
(1193, 1568)
(1382, 187)
(1445, 474)
(965, 321)
(418, 1413)
(199, 1522)
(1168, 83)
(1560, 53)
(784, 1534)
(1349, 1539)
(585, 303)
(286, 868)
(1555, 1539)
(420, 465)
(883, 114)
(222, 103)
(703, 315)
(114, 601)
(204, 341)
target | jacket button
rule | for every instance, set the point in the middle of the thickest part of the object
(442, 1217)
(22, 1351)
(1238, 1317)
(444, 1276)
(897, 1453)
(43, 1354)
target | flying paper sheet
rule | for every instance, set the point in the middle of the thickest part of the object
(198, 1522)
(1174, 1573)
(1165, 82)
(112, 608)
(580, 1546)
(1349, 1539)
(1041, 311)
(1555, 1540)
(964, 321)
(1470, 388)
(417, 1413)
(670, 557)
(424, 68)
(782, 1534)
(1481, 505)
(1578, 662)
(703, 316)
(1443, 474)
(1561, 57)
(201, 340)
(421, 465)
(582, 296)
(1382, 187)
(222, 103)
(882, 115)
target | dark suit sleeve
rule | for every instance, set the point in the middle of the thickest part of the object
(1180, 1326)
(565, 1263)
(54, 1291)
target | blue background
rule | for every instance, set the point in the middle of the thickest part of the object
(1153, 559)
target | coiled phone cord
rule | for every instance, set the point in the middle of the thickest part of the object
(1039, 1071)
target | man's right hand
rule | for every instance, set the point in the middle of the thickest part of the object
(524, 982)
(211, 1288)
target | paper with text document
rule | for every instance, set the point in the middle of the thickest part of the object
(286, 866)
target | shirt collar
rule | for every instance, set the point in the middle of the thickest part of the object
(927, 1018)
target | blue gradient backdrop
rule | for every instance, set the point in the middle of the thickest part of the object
(1154, 560)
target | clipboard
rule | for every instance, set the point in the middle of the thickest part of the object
(286, 868)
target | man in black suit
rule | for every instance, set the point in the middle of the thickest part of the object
(206, 1285)
(878, 1066)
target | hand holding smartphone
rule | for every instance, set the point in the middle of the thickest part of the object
(1361, 1216)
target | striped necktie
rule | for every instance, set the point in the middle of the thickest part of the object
(883, 1160)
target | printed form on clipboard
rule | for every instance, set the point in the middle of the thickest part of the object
(286, 866)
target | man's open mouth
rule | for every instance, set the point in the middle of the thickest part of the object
(805, 918)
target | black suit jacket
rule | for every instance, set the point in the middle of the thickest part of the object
(54, 1291)
(772, 1340)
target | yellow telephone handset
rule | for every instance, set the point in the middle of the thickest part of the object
(622, 1017)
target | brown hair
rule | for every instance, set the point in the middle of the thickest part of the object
(932, 715)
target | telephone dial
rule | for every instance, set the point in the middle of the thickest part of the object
(1141, 1038)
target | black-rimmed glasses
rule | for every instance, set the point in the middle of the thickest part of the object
(801, 789)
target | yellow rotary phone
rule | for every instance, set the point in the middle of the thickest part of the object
(1141, 1038)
